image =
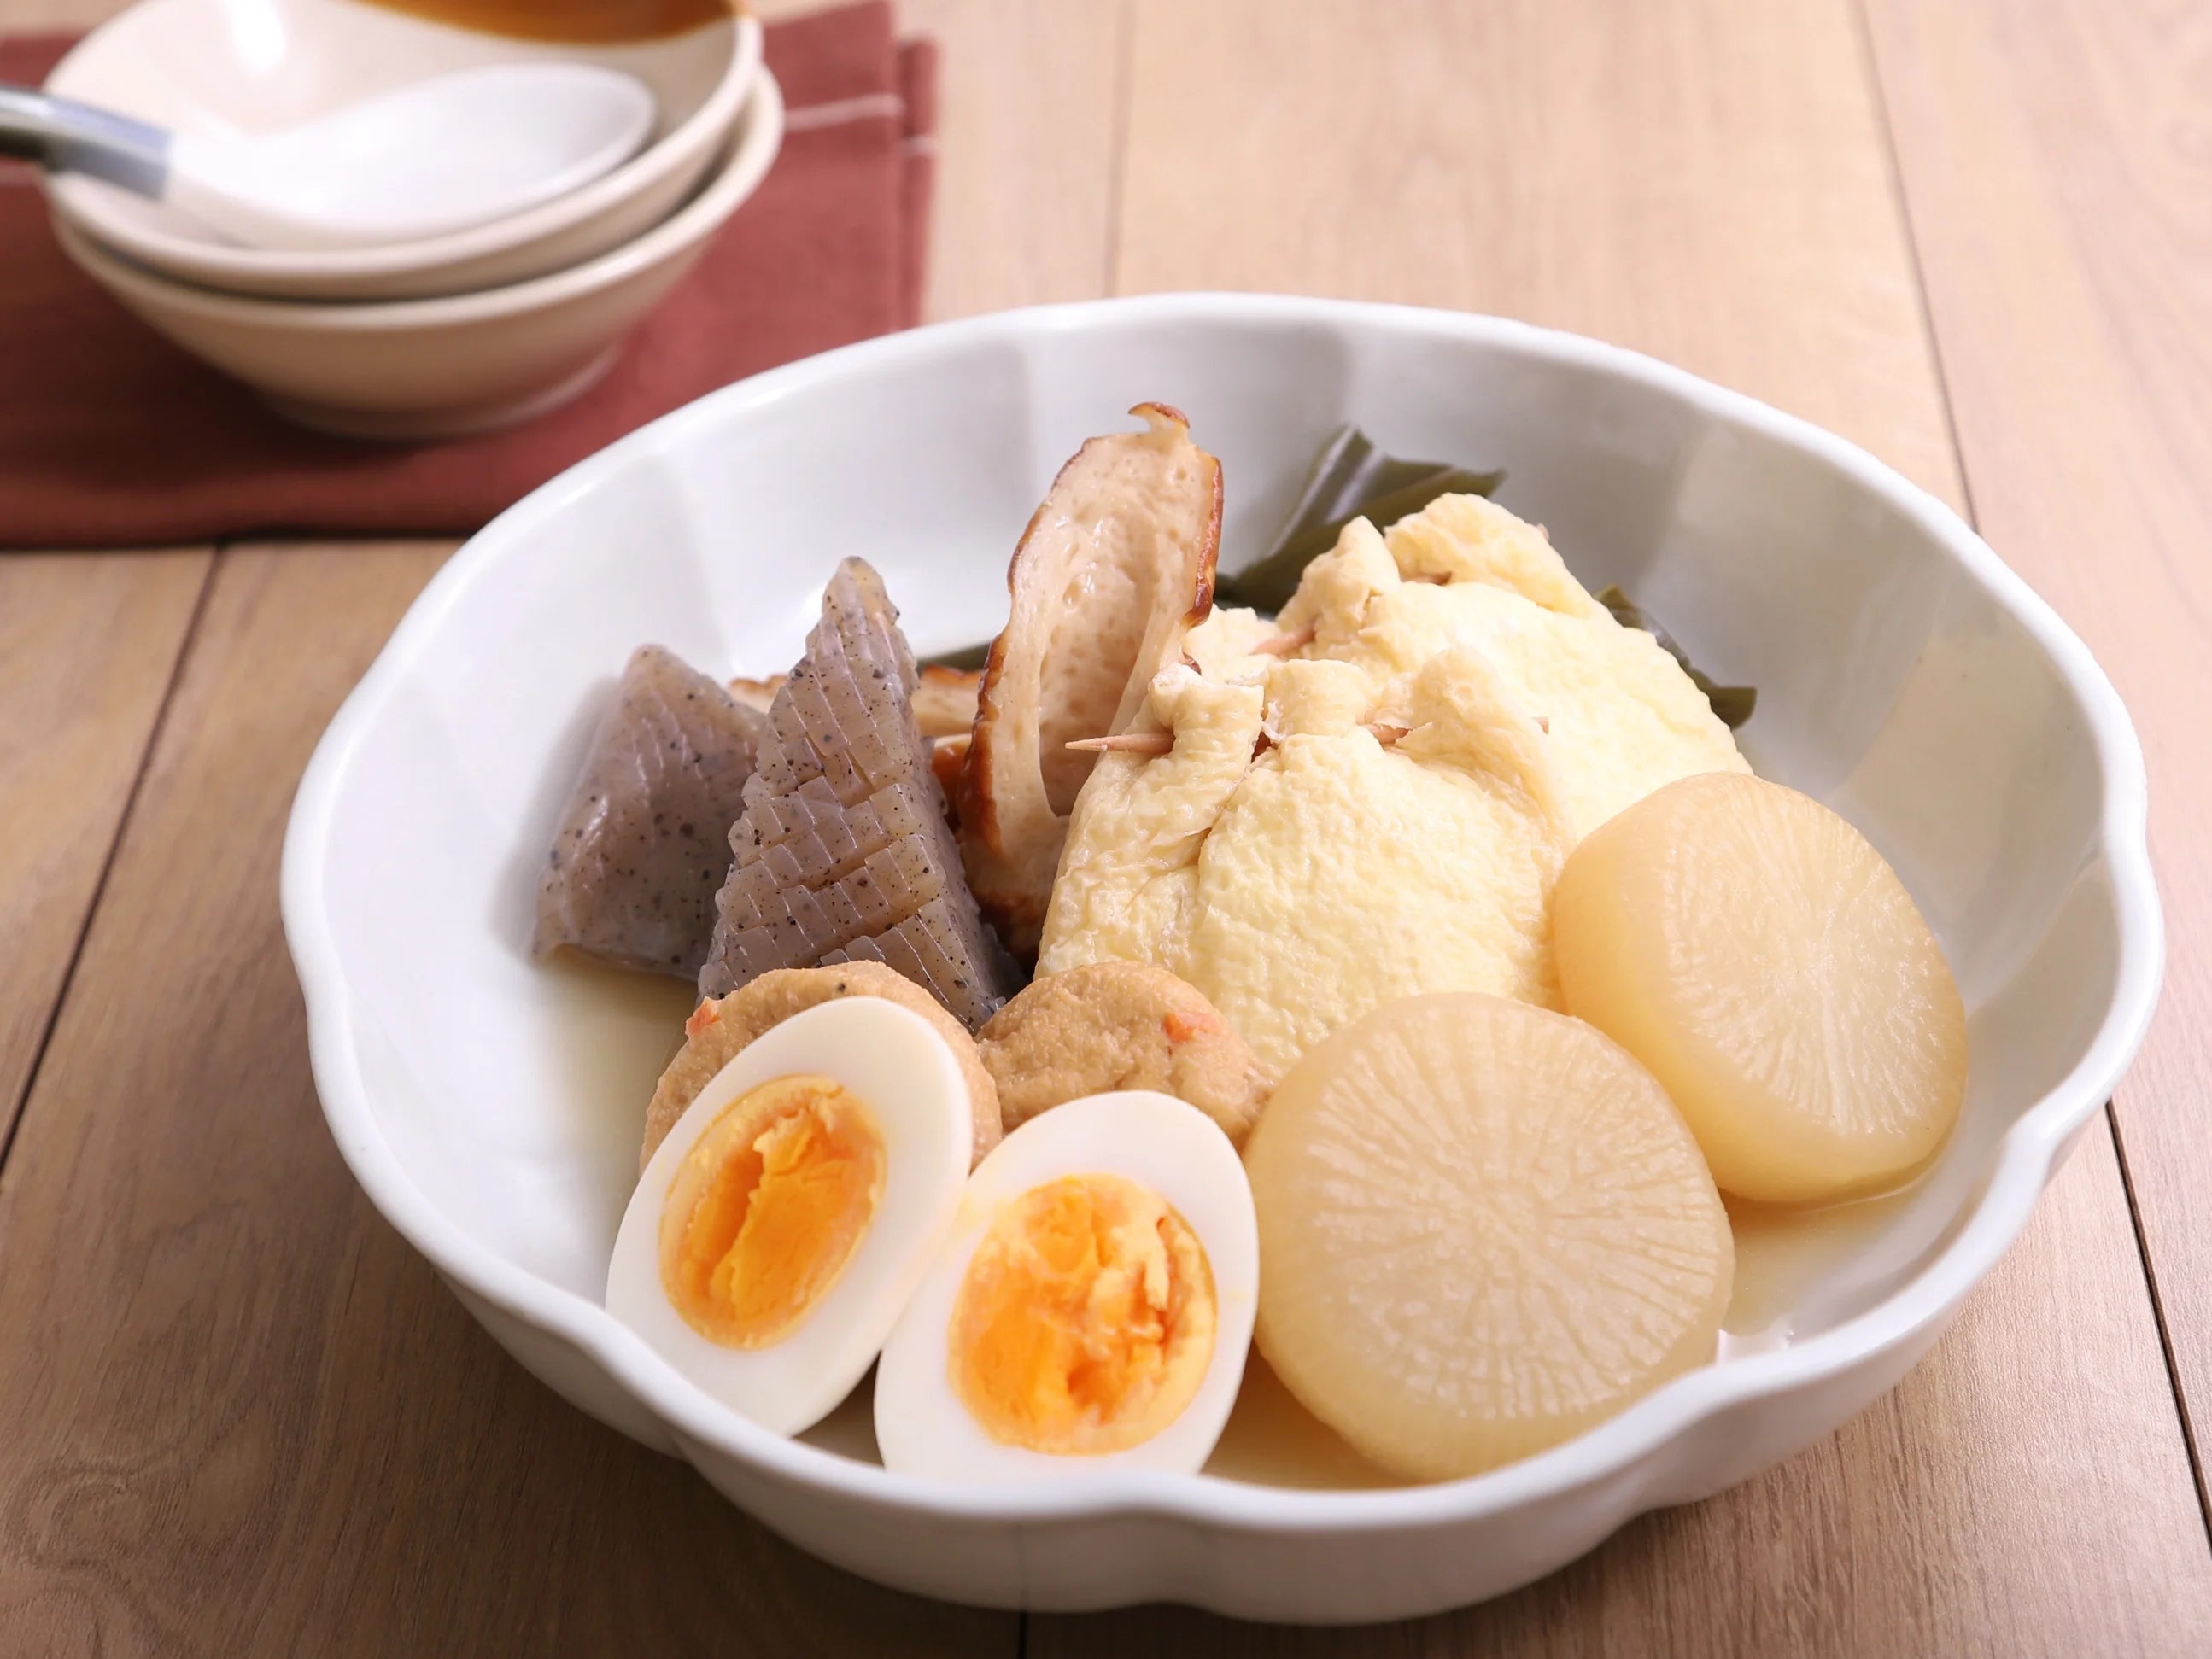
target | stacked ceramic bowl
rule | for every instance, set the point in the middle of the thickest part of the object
(443, 335)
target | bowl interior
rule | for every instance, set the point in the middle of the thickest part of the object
(1893, 682)
(221, 68)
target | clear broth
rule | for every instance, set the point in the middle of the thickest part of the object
(1780, 1252)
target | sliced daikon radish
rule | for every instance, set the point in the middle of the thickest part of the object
(1483, 1229)
(1754, 951)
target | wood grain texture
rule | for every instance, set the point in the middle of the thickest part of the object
(243, 1416)
(1028, 97)
(1026, 149)
(1706, 181)
(1700, 179)
(25, 14)
(2057, 160)
(87, 650)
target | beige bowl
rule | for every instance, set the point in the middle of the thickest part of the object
(433, 368)
(217, 67)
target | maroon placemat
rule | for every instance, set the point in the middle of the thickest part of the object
(110, 437)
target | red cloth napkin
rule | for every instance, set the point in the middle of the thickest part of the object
(110, 437)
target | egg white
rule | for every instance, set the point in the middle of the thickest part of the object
(890, 1059)
(922, 1425)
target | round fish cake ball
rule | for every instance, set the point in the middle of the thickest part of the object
(1115, 1025)
(720, 1027)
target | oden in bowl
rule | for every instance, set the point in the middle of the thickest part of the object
(491, 1107)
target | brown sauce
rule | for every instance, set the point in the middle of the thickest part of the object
(570, 22)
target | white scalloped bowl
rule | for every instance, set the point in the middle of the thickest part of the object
(490, 1107)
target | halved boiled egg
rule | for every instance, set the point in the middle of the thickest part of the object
(779, 1230)
(1092, 1308)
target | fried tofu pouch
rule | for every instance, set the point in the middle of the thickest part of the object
(1330, 874)
(1383, 812)
(1621, 718)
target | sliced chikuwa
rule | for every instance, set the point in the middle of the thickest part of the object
(1115, 565)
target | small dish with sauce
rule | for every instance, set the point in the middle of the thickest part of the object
(221, 67)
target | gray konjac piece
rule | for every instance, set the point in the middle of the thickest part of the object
(643, 845)
(844, 853)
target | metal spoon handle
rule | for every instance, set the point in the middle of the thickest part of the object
(72, 138)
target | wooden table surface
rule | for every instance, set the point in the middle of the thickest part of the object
(1973, 235)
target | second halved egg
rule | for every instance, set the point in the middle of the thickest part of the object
(1092, 1308)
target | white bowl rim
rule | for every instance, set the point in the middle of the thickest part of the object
(425, 254)
(745, 162)
(2027, 1155)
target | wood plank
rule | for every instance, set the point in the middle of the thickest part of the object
(87, 647)
(1029, 103)
(28, 14)
(242, 1415)
(1700, 180)
(1708, 182)
(1028, 97)
(2055, 161)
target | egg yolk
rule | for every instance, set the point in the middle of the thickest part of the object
(1085, 1320)
(767, 1209)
